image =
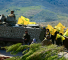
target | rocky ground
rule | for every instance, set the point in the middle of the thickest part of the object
(65, 54)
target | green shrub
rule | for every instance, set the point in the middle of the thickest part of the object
(37, 52)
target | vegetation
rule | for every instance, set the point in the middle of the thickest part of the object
(37, 11)
(35, 52)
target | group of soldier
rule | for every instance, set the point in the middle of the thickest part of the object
(47, 38)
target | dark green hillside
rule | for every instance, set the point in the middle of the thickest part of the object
(36, 10)
(45, 15)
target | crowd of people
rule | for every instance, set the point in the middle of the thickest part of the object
(45, 37)
(54, 39)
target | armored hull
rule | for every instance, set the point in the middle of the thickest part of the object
(12, 34)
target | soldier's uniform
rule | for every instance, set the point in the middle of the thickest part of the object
(26, 38)
(12, 15)
(11, 19)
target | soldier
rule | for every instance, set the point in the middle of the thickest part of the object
(11, 19)
(59, 39)
(26, 37)
(12, 14)
(47, 33)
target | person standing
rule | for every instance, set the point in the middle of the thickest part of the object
(53, 37)
(26, 37)
(47, 33)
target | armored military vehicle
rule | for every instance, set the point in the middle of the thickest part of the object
(11, 33)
